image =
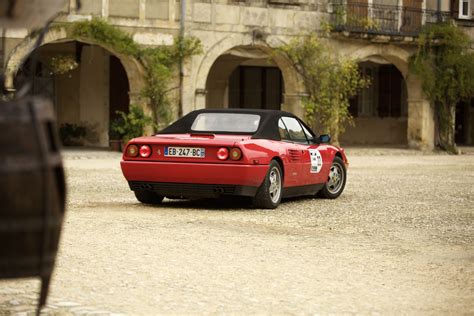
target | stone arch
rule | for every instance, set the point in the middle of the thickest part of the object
(396, 55)
(294, 87)
(420, 126)
(20, 53)
(90, 105)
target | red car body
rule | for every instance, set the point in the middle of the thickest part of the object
(212, 176)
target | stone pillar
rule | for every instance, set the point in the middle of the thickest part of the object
(200, 99)
(72, 6)
(105, 8)
(421, 122)
(293, 103)
(142, 10)
(135, 97)
(421, 129)
(172, 10)
(94, 93)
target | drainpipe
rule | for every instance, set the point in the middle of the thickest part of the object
(181, 61)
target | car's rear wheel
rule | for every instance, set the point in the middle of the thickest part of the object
(336, 180)
(269, 194)
(148, 197)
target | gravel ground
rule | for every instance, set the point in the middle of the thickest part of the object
(399, 240)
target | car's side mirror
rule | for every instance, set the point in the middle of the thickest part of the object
(324, 139)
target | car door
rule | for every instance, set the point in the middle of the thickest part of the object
(317, 165)
(296, 145)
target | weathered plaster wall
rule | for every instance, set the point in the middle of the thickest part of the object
(376, 131)
(94, 92)
(67, 102)
(433, 5)
(124, 8)
(93, 7)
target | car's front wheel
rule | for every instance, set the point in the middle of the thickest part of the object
(269, 194)
(336, 180)
(148, 197)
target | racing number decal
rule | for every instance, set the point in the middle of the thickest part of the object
(316, 160)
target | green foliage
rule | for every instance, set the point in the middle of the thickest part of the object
(132, 124)
(103, 33)
(115, 129)
(160, 63)
(72, 134)
(62, 64)
(330, 81)
(446, 66)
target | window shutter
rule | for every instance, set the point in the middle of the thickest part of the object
(455, 8)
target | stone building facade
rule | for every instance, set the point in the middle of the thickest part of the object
(237, 67)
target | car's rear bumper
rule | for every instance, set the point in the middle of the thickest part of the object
(198, 175)
(190, 190)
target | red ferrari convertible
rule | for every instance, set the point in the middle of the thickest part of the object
(263, 154)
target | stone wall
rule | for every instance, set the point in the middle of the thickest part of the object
(376, 131)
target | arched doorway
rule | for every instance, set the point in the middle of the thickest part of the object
(87, 85)
(102, 82)
(464, 132)
(222, 72)
(245, 77)
(380, 111)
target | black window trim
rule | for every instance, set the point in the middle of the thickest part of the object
(301, 125)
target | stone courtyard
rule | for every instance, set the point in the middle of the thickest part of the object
(400, 240)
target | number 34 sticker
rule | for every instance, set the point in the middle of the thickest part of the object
(316, 160)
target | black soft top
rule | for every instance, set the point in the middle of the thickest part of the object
(267, 129)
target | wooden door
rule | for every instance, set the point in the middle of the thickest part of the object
(357, 13)
(412, 15)
(455, 8)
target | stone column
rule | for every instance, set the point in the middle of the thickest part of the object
(142, 10)
(105, 8)
(292, 102)
(200, 99)
(135, 98)
(94, 93)
(172, 10)
(421, 122)
(72, 6)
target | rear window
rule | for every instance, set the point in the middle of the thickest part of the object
(226, 122)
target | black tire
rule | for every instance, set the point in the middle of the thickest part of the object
(148, 197)
(269, 194)
(336, 180)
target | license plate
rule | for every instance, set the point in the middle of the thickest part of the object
(190, 152)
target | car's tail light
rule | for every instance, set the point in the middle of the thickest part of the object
(223, 153)
(235, 153)
(145, 151)
(132, 151)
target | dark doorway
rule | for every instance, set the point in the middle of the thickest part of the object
(463, 131)
(390, 91)
(385, 97)
(256, 87)
(119, 88)
(42, 82)
(380, 111)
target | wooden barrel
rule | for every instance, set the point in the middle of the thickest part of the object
(32, 189)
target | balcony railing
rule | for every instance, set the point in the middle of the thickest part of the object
(383, 19)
